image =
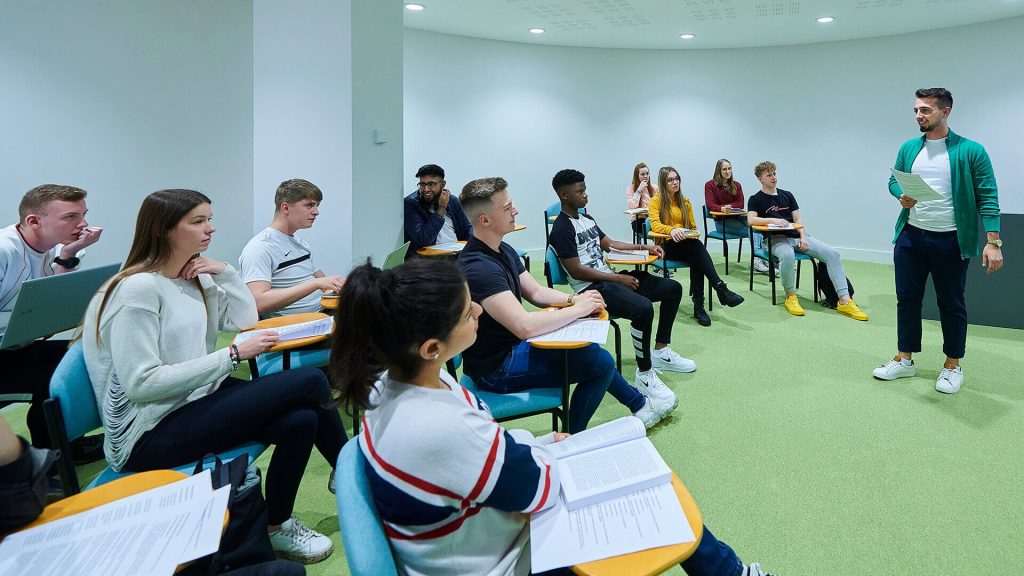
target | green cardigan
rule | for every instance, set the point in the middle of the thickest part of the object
(974, 188)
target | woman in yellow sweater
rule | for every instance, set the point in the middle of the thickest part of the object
(671, 213)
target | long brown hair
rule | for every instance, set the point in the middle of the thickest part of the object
(727, 185)
(666, 200)
(636, 175)
(151, 248)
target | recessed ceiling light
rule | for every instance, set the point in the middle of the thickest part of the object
(687, 36)
(825, 19)
(414, 7)
(536, 30)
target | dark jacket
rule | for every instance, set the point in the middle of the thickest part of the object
(422, 225)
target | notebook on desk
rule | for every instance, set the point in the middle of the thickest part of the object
(53, 304)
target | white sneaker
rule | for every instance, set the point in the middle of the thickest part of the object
(894, 369)
(949, 381)
(667, 359)
(296, 542)
(760, 266)
(649, 413)
(754, 570)
(650, 385)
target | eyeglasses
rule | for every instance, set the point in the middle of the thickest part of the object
(672, 180)
(424, 185)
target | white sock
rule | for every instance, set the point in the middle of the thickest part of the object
(906, 362)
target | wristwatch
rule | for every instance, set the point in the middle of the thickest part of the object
(997, 243)
(70, 263)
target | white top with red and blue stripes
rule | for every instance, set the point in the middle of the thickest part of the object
(453, 487)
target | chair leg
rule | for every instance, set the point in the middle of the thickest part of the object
(526, 260)
(798, 274)
(739, 253)
(771, 269)
(254, 371)
(814, 278)
(618, 346)
(565, 391)
(725, 253)
(59, 435)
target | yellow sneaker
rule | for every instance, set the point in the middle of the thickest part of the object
(852, 310)
(793, 306)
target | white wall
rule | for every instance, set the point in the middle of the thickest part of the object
(832, 116)
(302, 100)
(124, 98)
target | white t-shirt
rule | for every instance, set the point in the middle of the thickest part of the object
(284, 261)
(18, 263)
(447, 232)
(932, 163)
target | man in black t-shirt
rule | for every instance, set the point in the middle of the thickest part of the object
(501, 360)
(773, 206)
(580, 245)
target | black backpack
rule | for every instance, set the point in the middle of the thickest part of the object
(830, 299)
(245, 541)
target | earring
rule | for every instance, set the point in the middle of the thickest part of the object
(437, 356)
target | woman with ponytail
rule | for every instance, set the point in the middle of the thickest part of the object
(452, 487)
(164, 393)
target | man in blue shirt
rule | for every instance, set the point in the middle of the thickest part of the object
(432, 214)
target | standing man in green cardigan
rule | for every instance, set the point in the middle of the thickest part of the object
(939, 237)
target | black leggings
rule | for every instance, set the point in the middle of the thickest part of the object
(637, 308)
(693, 252)
(291, 410)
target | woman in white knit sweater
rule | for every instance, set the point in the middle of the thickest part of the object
(164, 392)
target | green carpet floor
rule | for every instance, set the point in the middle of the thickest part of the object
(803, 462)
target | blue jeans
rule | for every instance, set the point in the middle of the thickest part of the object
(917, 254)
(711, 558)
(593, 368)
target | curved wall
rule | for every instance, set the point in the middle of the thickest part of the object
(832, 116)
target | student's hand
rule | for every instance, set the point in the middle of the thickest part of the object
(257, 345)
(992, 258)
(587, 303)
(90, 235)
(907, 201)
(628, 281)
(330, 283)
(642, 187)
(678, 234)
(802, 244)
(201, 265)
(779, 221)
(443, 198)
(654, 249)
(559, 436)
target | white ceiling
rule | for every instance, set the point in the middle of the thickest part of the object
(716, 23)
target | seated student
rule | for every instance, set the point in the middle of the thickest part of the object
(580, 245)
(721, 191)
(47, 240)
(448, 505)
(638, 195)
(432, 214)
(773, 205)
(277, 266)
(671, 213)
(164, 393)
(502, 360)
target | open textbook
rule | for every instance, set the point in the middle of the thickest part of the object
(609, 460)
(623, 499)
(316, 327)
(150, 533)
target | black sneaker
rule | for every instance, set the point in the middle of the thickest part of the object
(700, 314)
(87, 449)
(728, 297)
